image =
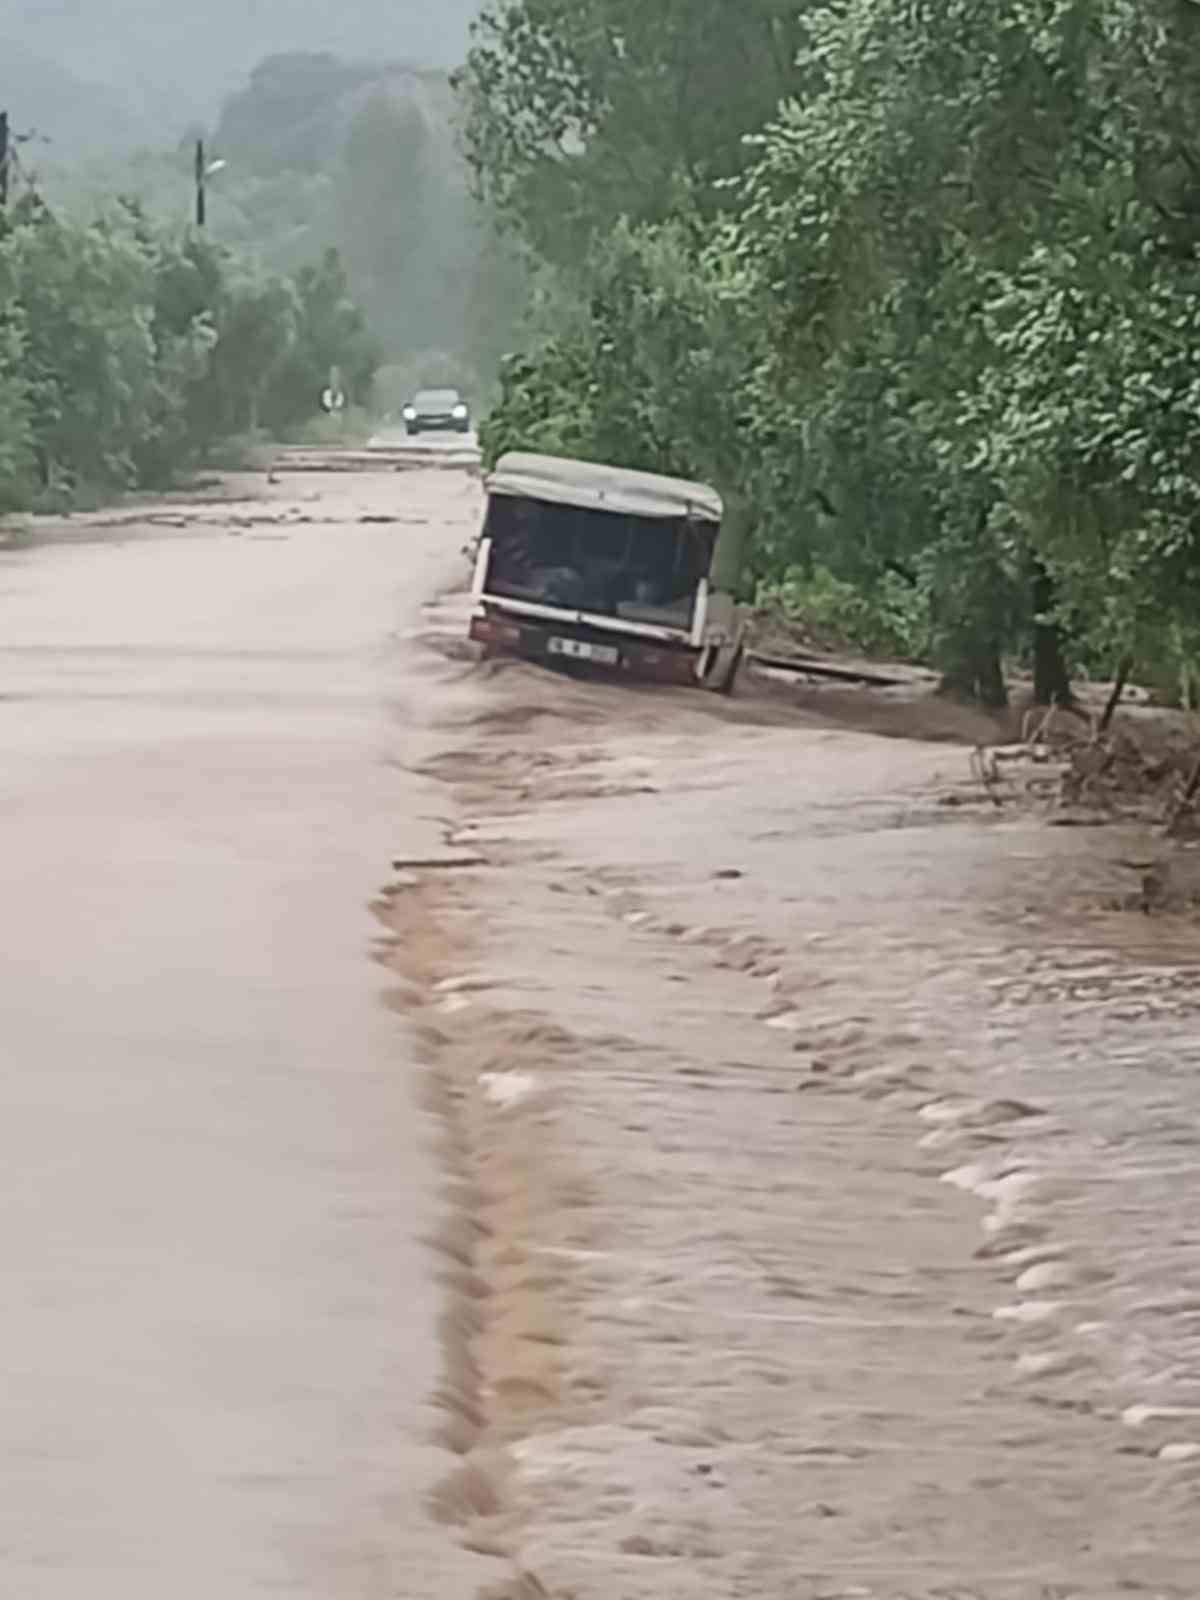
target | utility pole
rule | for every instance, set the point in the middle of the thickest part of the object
(201, 197)
(4, 156)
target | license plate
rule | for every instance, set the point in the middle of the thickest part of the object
(580, 650)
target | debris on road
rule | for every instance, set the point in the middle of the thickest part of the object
(439, 864)
(1089, 772)
(841, 671)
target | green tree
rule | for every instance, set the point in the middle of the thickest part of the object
(499, 294)
(256, 332)
(383, 200)
(972, 234)
(922, 289)
(580, 112)
(87, 344)
(329, 331)
(17, 461)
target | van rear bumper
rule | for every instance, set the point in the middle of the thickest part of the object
(542, 641)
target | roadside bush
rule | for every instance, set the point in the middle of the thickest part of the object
(17, 465)
(892, 619)
(545, 405)
(126, 352)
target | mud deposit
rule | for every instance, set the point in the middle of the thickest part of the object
(823, 1164)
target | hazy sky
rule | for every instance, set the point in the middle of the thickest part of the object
(176, 58)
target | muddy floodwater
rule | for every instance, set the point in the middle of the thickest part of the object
(804, 1199)
(873, 1132)
(219, 1325)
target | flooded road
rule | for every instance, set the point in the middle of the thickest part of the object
(826, 1156)
(865, 1139)
(219, 1322)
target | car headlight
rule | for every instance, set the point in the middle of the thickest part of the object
(410, 414)
(460, 412)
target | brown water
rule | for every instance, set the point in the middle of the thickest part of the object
(218, 1321)
(887, 1283)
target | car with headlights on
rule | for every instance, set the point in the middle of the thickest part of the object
(437, 411)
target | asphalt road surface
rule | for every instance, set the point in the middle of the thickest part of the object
(219, 1322)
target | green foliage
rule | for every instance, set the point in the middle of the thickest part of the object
(545, 405)
(88, 355)
(328, 332)
(384, 198)
(892, 618)
(924, 300)
(580, 114)
(364, 158)
(322, 153)
(974, 233)
(126, 352)
(16, 416)
(653, 370)
(257, 321)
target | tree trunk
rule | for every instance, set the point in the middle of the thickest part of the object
(977, 674)
(973, 611)
(1124, 673)
(1051, 680)
(993, 690)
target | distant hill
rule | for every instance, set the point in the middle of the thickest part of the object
(318, 151)
(297, 110)
(323, 151)
(163, 62)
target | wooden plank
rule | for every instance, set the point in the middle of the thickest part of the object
(838, 671)
(462, 863)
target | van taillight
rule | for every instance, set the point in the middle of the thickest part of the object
(487, 631)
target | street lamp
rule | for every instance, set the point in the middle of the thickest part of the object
(205, 169)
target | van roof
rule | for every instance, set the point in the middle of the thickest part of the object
(594, 487)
